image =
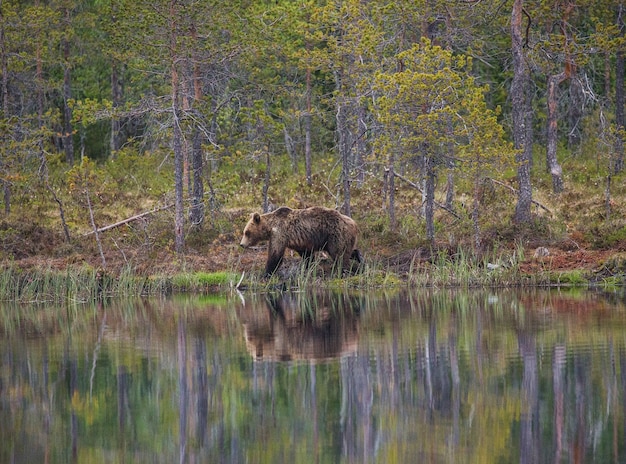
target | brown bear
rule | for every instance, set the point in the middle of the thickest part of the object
(304, 231)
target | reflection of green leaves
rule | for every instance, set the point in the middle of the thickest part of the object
(417, 355)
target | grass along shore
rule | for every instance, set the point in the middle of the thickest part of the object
(84, 283)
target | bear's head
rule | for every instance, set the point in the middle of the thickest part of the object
(257, 230)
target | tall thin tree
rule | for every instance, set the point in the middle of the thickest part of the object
(520, 109)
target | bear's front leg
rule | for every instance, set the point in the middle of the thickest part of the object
(274, 258)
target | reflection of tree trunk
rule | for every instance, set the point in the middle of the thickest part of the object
(622, 363)
(316, 425)
(456, 383)
(356, 410)
(73, 390)
(123, 402)
(529, 418)
(429, 357)
(200, 389)
(581, 363)
(183, 395)
(558, 368)
(615, 401)
(348, 426)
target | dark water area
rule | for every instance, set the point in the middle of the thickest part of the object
(430, 376)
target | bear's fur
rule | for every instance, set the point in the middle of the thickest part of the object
(304, 231)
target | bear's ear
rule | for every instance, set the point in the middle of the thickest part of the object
(256, 217)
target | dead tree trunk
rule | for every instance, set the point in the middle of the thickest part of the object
(552, 133)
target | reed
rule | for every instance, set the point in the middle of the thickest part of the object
(74, 284)
(79, 284)
(465, 269)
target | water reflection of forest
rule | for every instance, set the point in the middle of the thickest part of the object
(329, 377)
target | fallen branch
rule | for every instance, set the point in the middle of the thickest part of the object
(130, 219)
(417, 187)
(515, 191)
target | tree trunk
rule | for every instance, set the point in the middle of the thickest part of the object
(177, 139)
(179, 213)
(307, 130)
(575, 112)
(116, 94)
(618, 162)
(266, 184)
(429, 199)
(390, 183)
(520, 101)
(552, 133)
(476, 217)
(5, 109)
(68, 137)
(197, 196)
(291, 150)
(361, 145)
(607, 74)
(185, 110)
(343, 134)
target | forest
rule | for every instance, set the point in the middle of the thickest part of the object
(143, 133)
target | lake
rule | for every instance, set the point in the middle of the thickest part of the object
(439, 376)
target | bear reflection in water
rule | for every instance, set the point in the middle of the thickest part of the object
(295, 327)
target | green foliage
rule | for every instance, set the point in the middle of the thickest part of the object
(434, 104)
(608, 234)
(573, 278)
(251, 75)
(202, 281)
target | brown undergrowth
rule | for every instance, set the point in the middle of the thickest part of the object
(33, 247)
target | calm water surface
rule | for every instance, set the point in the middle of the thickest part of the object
(441, 377)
